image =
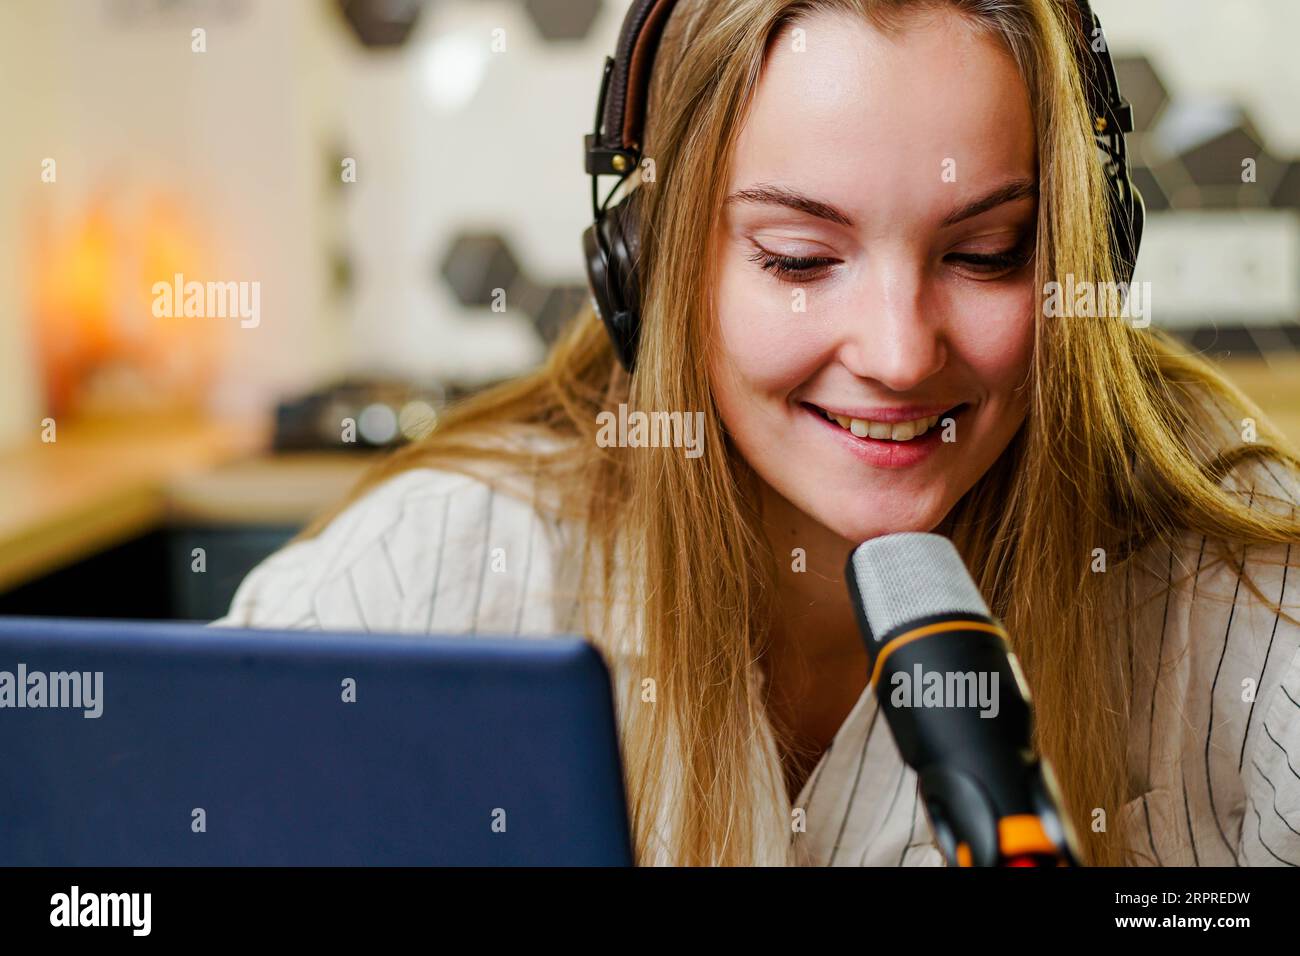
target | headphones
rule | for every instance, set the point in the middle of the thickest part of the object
(612, 243)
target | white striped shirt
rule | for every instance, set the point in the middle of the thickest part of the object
(1214, 770)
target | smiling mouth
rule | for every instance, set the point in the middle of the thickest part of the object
(886, 431)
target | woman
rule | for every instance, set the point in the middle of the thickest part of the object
(856, 210)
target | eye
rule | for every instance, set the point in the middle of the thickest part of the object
(792, 269)
(994, 265)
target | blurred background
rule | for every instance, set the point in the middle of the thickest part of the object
(390, 195)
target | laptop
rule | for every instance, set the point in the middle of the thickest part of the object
(177, 744)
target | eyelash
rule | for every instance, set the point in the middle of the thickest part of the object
(795, 269)
(1000, 262)
(791, 269)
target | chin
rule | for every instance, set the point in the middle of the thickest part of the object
(865, 522)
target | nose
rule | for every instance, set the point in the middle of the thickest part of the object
(891, 337)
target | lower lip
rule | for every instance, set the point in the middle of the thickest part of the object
(883, 452)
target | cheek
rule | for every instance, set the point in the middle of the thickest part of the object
(767, 346)
(993, 337)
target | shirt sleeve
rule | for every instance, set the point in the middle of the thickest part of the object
(1270, 760)
(426, 552)
(1270, 831)
(348, 577)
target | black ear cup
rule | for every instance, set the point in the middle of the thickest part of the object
(612, 249)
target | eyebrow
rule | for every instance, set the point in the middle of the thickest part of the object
(1016, 189)
(767, 194)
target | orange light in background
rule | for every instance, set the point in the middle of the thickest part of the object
(100, 347)
(179, 350)
(71, 292)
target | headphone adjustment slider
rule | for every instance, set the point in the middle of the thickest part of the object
(604, 161)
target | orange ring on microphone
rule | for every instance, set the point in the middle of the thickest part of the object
(1023, 833)
(941, 627)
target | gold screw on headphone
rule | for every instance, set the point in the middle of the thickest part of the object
(1099, 124)
(619, 163)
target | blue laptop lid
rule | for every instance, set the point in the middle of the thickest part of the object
(221, 746)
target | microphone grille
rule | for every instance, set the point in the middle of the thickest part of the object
(903, 577)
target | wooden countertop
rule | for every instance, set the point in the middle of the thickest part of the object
(281, 489)
(102, 482)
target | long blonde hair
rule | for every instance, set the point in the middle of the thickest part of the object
(1102, 459)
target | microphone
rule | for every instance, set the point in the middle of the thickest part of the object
(956, 702)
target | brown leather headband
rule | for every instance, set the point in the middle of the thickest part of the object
(630, 84)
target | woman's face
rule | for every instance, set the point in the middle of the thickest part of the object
(874, 261)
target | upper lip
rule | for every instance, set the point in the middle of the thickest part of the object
(906, 413)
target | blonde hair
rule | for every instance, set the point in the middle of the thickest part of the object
(1101, 461)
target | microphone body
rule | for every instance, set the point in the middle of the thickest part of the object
(957, 705)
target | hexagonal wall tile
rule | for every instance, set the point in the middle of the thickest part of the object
(380, 24)
(1141, 86)
(1176, 183)
(563, 19)
(1206, 142)
(526, 296)
(1287, 193)
(1218, 166)
(562, 303)
(476, 264)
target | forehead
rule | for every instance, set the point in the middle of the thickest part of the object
(860, 111)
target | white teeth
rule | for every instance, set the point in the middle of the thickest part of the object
(901, 431)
